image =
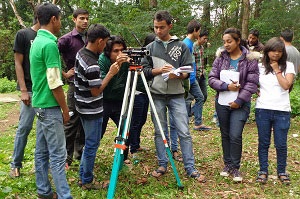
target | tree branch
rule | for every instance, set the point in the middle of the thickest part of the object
(12, 3)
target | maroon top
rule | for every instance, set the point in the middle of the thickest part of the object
(68, 45)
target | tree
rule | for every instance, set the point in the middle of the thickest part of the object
(246, 13)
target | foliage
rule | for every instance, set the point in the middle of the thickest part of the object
(126, 16)
(7, 86)
(294, 98)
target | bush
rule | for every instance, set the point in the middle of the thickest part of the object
(294, 98)
(7, 86)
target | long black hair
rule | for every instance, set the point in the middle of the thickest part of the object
(273, 44)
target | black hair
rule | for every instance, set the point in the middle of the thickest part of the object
(204, 33)
(192, 26)
(97, 31)
(234, 32)
(149, 38)
(273, 44)
(45, 11)
(287, 35)
(254, 32)
(163, 15)
(110, 43)
(80, 11)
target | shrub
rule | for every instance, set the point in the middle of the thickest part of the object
(294, 98)
(7, 86)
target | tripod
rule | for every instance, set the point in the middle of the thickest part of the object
(124, 124)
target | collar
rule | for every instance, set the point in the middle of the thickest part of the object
(48, 34)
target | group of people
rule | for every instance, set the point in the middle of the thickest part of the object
(96, 73)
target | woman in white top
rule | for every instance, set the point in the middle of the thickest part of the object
(273, 107)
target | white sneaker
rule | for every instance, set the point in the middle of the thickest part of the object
(237, 177)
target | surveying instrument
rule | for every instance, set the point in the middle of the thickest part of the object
(134, 70)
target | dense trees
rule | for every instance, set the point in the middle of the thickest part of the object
(127, 16)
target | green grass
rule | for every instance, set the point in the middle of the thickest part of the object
(208, 159)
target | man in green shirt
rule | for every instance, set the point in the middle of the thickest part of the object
(49, 104)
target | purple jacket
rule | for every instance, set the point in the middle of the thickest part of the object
(249, 74)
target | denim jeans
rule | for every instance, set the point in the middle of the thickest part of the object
(25, 125)
(73, 129)
(139, 117)
(92, 129)
(173, 135)
(280, 121)
(111, 109)
(203, 86)
(198, 107)
(177, 110)
(50, 150)
(232, 122)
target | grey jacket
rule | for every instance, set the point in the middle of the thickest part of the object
(177, 54)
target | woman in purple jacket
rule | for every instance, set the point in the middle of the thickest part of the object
(241, 81)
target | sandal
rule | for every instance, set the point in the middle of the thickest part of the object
(176, 156)
(197, 176)
(284, 178)
(262, 177)
(51, 196)
(159, 172)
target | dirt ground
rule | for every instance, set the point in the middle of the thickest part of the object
(13, 116)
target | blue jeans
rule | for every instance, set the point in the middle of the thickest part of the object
(232, 122)
(280, 121)
(50, 150)
(25, 125)
(177, 110)
(92, 129)
(139, 117)
(173, 135)
(198, 107)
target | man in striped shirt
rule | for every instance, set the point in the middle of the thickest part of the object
(89, 99)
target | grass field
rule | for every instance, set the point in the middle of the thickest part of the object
(136, 182)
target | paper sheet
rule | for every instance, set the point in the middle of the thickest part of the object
(225, 97)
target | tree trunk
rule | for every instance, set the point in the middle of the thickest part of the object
(257, 8)
(206, 14)
(245, 24)
(153, 3)
(12, 3)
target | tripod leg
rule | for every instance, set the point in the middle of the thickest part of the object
(161, 131)
(123, 134)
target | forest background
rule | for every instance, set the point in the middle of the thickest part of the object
(122, 17)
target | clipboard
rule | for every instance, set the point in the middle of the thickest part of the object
(225, 97)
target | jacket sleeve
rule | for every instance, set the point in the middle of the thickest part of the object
(251, 76)
(214, 76)
(147, 64)
(104, 65)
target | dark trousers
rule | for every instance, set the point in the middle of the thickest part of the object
(139, 117)
(112, 110)
(74, 132)
(232, 122)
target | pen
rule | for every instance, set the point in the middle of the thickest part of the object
(232, 81)
(235, 82)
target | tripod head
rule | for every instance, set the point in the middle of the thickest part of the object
(136, 55)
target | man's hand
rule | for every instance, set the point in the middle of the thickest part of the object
(25, 98)
(121, 58)
(114, 68)
(66, 116)
(70, 73)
